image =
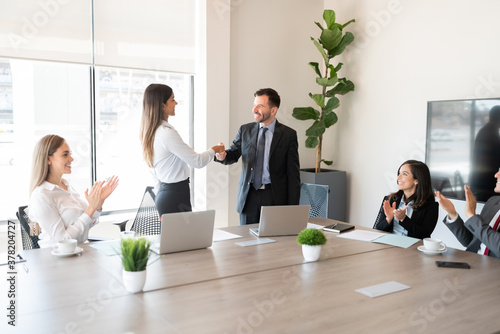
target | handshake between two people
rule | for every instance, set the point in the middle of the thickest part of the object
(220, 151)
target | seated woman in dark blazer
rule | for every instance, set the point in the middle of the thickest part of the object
(412, 210)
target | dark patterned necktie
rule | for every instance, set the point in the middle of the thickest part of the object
(259, 161)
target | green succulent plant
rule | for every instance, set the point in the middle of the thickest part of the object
(311, 237)
(332, 42)
(135, 253)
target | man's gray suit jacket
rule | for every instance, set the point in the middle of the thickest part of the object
(477, 229)
(283, 163)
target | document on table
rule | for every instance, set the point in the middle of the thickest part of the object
(17, 259)
(397, 240)
(220, 235)
(255, 242)
(316, 226)
(108, 248)
(361, 235)
(382, 238)
(382, 289)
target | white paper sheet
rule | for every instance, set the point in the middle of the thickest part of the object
(382, 289)
(361, 235)
(397, 240)
(220, 235)
(316, 226)
(255, 242)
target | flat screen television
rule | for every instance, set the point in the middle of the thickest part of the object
(463, 146)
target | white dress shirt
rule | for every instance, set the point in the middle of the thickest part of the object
(397, 228)
(172, 156)
(60, 214)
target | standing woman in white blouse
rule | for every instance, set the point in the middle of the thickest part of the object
(54, 204)
(166, 153)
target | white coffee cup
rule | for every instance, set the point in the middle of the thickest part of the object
(433, 244)
(66, 246)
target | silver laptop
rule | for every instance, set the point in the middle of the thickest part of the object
(280, 220)
(185, 231)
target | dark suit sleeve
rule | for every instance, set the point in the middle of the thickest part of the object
(463, 235)
(479, 226)
(423, 221)
(234, 152)
(293, 171)
(381, 223)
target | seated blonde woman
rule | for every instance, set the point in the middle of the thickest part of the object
(59, 210)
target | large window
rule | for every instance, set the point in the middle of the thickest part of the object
(66, 68)
(40, 98)
(119, 95)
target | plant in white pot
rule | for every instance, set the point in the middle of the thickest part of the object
(311, 240)
(331, 43)
(135, 256)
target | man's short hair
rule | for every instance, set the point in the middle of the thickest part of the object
(274, 98)
(495, 114)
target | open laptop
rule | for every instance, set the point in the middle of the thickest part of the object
(183, 231)
(281, 220)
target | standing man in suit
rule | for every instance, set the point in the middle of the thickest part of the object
(480, 233)
(274, 178)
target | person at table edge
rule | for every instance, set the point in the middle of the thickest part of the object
(479, 233)
(412, 210)
(54, 204)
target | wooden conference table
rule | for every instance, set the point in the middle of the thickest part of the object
(260, 289)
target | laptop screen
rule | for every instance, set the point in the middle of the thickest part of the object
(183, 231)
(283, 219)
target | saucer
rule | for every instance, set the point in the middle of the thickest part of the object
(78, 250)
(431, 252)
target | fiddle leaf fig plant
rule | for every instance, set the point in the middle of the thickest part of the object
(332, 42)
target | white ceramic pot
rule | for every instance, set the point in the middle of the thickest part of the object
(134, 280)
(311, 253)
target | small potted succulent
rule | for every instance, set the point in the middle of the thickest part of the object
(311, 240)
(135, 256)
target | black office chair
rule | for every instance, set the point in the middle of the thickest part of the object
(315, 195)
(29, 237)
(147, 220)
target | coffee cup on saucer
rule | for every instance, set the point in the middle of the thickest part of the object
(66, 246)
(433, 244)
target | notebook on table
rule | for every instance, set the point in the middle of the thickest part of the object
(183, 231)
(338, 227)
(279, 220)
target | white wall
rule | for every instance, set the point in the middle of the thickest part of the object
(212, 105)
(405, 54)
(409, 52)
